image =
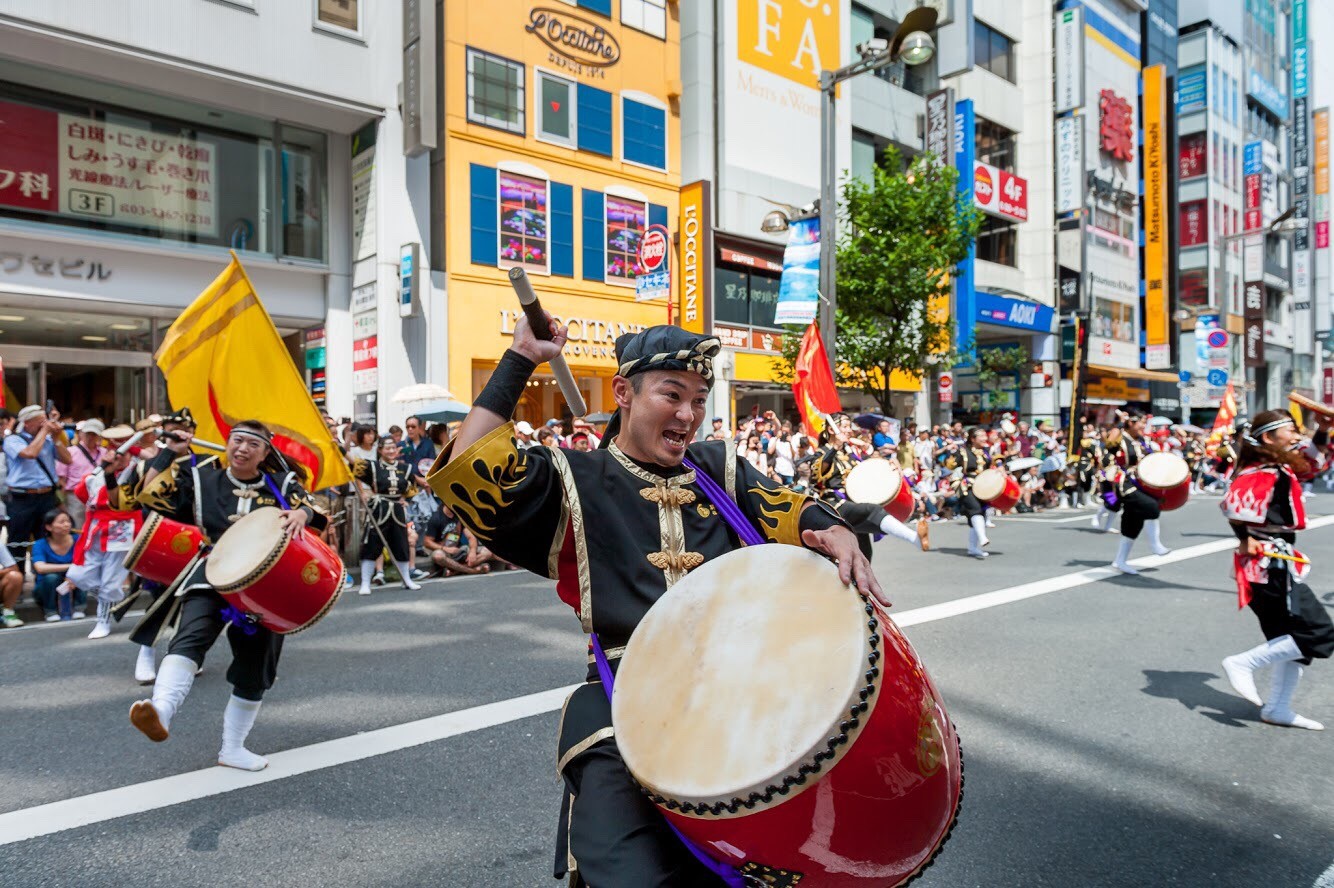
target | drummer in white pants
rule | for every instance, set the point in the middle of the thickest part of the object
(108, 533)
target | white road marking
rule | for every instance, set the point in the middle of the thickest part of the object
(1326, 879)
(30, 823)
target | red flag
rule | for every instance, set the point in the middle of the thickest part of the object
(1227, 413)
(814, 386)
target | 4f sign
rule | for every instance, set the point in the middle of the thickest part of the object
(795, 39)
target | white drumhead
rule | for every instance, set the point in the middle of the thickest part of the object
(244, 546)
(873, 480)
(732, 677)
(1163, 470)
(990, 483)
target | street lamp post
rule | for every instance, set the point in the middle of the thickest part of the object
(913, 45)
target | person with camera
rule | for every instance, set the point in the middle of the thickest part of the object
(32, 452)
(782, 454)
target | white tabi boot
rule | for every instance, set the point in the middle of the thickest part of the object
(1278, 711)
(237, 720)
(405, 571)
(145, 668)
(174, 679)
(1240, 668)
(102, 628)
(974, 541)
(979, 524)
(367, 571)
(1122, 562)
(1156, 537)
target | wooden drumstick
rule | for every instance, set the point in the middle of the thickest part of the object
(537, 320)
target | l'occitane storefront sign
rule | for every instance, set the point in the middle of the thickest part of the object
(590, 338)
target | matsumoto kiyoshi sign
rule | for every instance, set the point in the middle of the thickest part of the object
(582, 45)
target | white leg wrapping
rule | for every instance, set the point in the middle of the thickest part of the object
(979, 524)
(367, 570)
(102, 628)
(974, 543)
(405, 571)
(237, 720)
(1155, 529)
(891, 526)
(1240, 668)
(145, 668)
(1278, 710)
(1122, 562)
(174, 681)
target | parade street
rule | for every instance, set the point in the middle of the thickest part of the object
(412, 734)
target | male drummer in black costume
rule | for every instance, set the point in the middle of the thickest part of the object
(213, 496)
(1121, 454)
(974, 460)
(616, 527)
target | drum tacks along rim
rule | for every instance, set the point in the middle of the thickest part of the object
(258, 573)
(141, 542)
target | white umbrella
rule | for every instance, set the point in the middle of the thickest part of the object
(1191, 429)
(1158, 421)
(422, 391)
(1023, 462)
(442, 410)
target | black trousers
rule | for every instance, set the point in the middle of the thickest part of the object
(970, 505)
(1139, 507)
(617, 837)
(26, 512)
(387, 516)
(254, 653)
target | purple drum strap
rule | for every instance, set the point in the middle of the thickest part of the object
(282, 500)
(726, 506)
(728, 873)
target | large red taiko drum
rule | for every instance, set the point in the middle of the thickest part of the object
(1166, 478)
(287, 583)
(788, 729)
(997, 488)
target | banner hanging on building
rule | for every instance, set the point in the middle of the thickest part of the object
(1157, 347)
(799, 291)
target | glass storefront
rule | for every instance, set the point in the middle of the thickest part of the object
(88, 155)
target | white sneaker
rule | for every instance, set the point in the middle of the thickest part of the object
(100, 630)
(53, 618)
(78, 615)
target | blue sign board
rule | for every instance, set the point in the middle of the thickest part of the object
(798, 289)
(1272, 97)
(965, 136)
(1299, 72)
(1252, 159)
(1217, 378)
(1004, 311)
(1192, 90)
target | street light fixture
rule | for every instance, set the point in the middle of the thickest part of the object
(912, 45)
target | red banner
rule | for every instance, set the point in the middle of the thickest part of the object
(814, 386)
(1193, 226)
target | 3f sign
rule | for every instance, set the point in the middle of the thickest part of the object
(770, 31)
(790, 38)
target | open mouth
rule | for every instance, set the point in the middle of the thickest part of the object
(675, 441)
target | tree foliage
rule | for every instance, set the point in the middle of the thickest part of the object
(900, 236)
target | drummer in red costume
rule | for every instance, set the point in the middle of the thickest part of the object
(615, 527)
(108, 532)
(212, 496)
(1264, 506)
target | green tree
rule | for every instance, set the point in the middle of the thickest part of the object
(900, 236)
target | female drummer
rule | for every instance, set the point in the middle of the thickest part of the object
(213, 496)
(976, 458)
(1264, 506)
(389, 487)
(1122, 450)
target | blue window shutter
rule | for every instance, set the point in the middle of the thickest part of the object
(657, 215)
(644, 134)
(485, 209)
(562, 229)
(602, 7)
(594, 120)
(594, 236)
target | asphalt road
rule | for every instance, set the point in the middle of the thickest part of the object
(1103, 746)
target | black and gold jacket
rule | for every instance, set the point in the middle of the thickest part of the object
(613, 534)
(218, 501)
(830, 468)
(390, 480)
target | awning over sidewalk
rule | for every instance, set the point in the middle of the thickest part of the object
(1135, 373)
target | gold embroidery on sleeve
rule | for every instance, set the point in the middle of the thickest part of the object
(476, 485)
(576, 519)
(780, 514)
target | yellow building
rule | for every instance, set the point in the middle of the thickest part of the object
(561, 147)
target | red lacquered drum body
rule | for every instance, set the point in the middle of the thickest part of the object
(1166, 478)
(794, 732)
(997, 488)
(881, 482)
(163, 549)
(289, 584)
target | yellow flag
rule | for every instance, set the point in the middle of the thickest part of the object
(224, 359)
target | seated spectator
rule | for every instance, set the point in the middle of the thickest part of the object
(1031, 484)
(452, 548)
(52, 556)
(580, 441)
(11, 587)
(546, 437)
(883, 441)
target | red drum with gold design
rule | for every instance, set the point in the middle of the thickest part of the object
(1166, 478)
(997, 488)
(880, 481)
(163, 549)
(788, 729)
(287, 583)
